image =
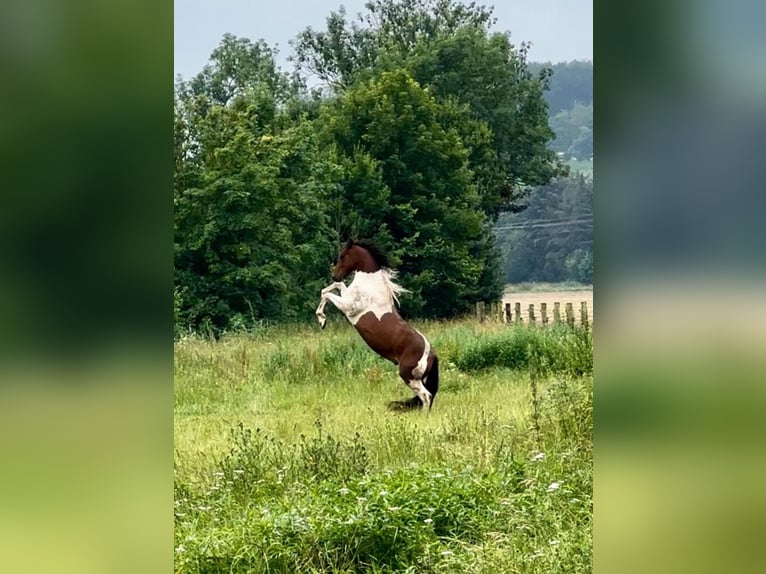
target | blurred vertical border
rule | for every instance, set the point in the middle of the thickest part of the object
(680, 279)
(86, 375)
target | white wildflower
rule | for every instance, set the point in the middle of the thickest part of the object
(553, 486)
(446, 552)
(538, 457)
(344, 490)
(383, 493)
(428, 520)
(180, 548)
(553, 542)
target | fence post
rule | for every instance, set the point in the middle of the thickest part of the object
(517, 311)
(531, 313)
(508, 316)
(544, 313)
(479, 309)
(556, 312)
(584, 314)
(570, 314)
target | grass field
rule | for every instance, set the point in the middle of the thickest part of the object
(287, 460)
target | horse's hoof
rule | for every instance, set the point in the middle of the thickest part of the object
(405, 406)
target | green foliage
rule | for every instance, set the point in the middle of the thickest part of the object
(251, 237)
(552, 240)
(540, 244)
(448, 48)
(579, 265)
(238, 65)
(571, 83)
(407, 178)
(432, 126)
(556, 350)
(488, 75)
(574, 131)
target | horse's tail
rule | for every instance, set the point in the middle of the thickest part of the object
(431, 380)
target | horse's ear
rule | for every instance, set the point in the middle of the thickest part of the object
(349, 243)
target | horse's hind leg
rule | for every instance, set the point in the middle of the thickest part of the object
(421, 392)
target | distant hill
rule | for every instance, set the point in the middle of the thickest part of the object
(571, 83)
(570, 109)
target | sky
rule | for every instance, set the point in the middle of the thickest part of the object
(559, 30)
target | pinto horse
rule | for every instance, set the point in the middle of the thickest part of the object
(369, 305)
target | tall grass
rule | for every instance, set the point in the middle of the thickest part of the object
(558, 349)
(287, 461)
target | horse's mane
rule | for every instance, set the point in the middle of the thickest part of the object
(379, 256)
(389, 274)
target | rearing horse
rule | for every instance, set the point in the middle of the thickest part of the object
(369, 305)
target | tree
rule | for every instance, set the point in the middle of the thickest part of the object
(574, 131)
(447, 47)
(570, 83)
(251, 235)
(238, 65)
(408, 184)
(552, 240)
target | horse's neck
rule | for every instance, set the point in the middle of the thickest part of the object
(369, 282)
(373, 286)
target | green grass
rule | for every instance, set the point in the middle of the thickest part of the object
(287, 460)
(544, 287)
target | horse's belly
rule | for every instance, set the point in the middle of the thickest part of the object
(380, 334)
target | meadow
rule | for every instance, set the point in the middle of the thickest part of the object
(286, 459)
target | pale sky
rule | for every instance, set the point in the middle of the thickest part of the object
(559, 30)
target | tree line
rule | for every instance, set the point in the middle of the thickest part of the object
(422, 127)
(551, 239)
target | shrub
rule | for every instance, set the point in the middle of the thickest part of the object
(559, 349)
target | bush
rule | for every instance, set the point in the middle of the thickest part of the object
(559, 349)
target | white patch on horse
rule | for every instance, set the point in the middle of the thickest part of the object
(417, 386)
(369, 292)
(420, 368)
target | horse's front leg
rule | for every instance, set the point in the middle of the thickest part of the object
(323, 300)
(344, 305)
(339, 285)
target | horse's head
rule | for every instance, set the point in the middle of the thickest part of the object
(348, 261)
(357, 257)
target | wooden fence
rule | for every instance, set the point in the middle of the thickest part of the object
(505, 312)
